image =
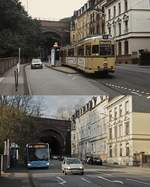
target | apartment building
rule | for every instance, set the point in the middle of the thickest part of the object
(88, 20)
(114, 129)
(128, 130)
(89, 129)
(128, 21)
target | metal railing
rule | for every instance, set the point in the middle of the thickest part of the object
(7, 63)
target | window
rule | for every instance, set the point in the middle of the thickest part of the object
(120, 110)
(81, 51)
(105, 49)
(114, 11)
(109, 30)
(127, 106)
(127, 130)
(120, 149)
(126, 47)
(71, 52)
(127, 150)
(119, 48)
(110, 115)
(110, 133)
(119, 8)
(88, 50)
(110, 151)
(126, 5)
(120, 29)
(109, 14)
(126, 26)
(115, 30)
(95, 49)
(115, 131)
(115, 113)
(120, 130)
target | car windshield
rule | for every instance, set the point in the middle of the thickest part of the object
(73, 161)
(36, 60)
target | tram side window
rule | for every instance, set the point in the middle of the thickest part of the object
(81, 51)
(95, 49)
(105, 49)
(71, 52)
(88, 50)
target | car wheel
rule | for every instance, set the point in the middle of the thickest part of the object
(65, 172)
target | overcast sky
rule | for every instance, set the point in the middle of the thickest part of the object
(52, 9)
(51, 104)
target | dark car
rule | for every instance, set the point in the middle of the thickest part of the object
(97, 161)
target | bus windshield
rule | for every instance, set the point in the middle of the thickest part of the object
(38, 154)
(106, 49)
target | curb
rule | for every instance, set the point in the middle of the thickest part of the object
(61, 70)
(27, 85)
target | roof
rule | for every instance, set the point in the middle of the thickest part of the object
(140, 104)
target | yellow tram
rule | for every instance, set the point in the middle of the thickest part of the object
(91, 55)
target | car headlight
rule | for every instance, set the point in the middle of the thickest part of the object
(29, 164)
(68, 167)
(81, 167)
(47, 164)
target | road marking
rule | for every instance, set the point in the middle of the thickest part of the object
(1, 79)
(115, 181)
(147, 93)
(62, 181)
(138, 181)
(148, 97)
(85, 180)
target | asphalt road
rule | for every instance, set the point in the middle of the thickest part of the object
(128, 79)
(101, 176)
(50, 82)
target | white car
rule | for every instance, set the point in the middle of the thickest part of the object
(72, 165)
(36, 63)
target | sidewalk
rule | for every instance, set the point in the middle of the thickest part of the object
(63, 69)
(7, 82)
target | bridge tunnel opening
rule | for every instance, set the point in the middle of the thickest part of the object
(56, 143)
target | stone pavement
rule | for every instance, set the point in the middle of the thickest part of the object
(7, 82)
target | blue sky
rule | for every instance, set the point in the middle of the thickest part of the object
(56, 9)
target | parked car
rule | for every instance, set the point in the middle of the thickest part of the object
(72, 166)
(36, 63)
(97, 161)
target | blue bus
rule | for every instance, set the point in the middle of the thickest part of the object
(37, 155)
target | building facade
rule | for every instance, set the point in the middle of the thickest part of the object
(128, 21)
(128, 130)
(117, 130)
(89, 129)
(88, 20)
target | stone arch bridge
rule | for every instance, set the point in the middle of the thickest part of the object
(55, 132)
(59, 29)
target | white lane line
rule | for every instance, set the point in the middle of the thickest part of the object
(115, 181)
(147, 93)
(1, 79)
(148, 97)
(85, 180)
(62, 181)
(135, 93)
(137, 181)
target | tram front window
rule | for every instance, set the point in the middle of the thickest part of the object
(105, 49)
(38, 154)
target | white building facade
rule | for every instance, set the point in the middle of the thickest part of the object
(89, 132)
(128, 21)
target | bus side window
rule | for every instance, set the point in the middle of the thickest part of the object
(88, 50)
(95, 50)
